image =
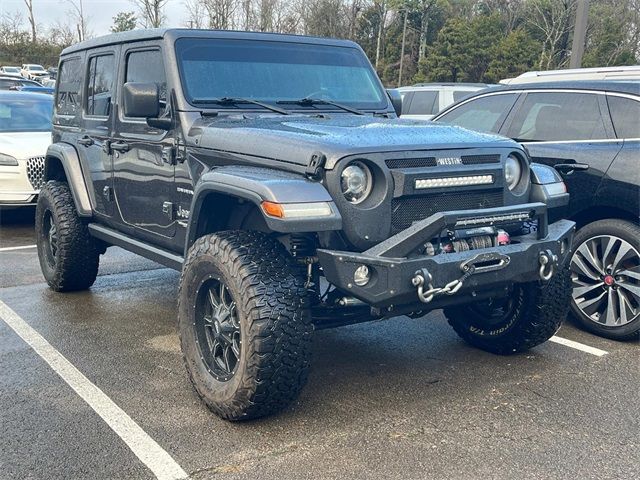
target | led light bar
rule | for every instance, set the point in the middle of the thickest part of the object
(493, 219)
(454, 181)
(297, 210)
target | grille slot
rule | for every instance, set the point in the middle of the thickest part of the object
(35, 172)
(480, 159)
(411, 162)
(407, 210)
(432, 162)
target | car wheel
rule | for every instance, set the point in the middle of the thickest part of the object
(530, 315)
(605, 272)
(69, 256)
(244, 324)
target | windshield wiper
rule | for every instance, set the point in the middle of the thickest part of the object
(234, 101)
(308, 101)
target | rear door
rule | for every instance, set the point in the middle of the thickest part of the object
(421, 105)
(97, 124)
(561, 127)
(619, 186)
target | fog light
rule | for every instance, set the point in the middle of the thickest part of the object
(361, 276)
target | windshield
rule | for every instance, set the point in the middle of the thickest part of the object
(276, 71)
(35, 68)
(26, 114)
(12, 69)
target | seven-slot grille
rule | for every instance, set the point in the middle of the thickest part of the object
(424, 162)
(407, 210)
(35, 172)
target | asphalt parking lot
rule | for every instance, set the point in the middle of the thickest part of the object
(396, 399)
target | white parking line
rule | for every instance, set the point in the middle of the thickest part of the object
(578, 346)
(11, 249)
(163, 466)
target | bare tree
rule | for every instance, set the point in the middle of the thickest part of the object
(81, 21)
(195, 13)
(32, 20)
(381, 7)
(221, 13)
(151, 12)
(11, 29)
(62, 34)
(553, 20)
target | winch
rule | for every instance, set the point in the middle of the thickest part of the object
(465, 240)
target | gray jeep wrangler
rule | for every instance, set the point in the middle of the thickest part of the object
(273, 172)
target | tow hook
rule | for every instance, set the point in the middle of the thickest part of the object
(548, 262)
(423, 278)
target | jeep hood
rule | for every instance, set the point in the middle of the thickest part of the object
(293, 139)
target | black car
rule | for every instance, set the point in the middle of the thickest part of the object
(590, 132)
(272, 170)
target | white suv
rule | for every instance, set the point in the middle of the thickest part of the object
(423, 100)
(598, 73)
(32, 71)
(25, 135)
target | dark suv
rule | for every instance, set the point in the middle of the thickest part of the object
(273, 172)
(590, 132)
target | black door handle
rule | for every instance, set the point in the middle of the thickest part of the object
(86, 141)
(569, 168)
(120, 146)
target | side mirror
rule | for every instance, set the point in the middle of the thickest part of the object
(140, 100)
(396, 100)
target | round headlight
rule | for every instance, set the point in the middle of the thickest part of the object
(356, 182)
(512, 171)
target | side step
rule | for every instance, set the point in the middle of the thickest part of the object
(112, 237)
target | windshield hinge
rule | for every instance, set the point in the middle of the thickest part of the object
(314, 169)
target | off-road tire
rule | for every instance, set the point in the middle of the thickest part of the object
(276, 330)
(629, 232)
(75, 263)
(537, 311)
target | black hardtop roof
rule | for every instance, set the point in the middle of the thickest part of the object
(619, 86)
(175, 33)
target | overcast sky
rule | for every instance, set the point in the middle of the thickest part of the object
(99, 12)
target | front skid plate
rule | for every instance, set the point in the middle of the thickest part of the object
(390, 282)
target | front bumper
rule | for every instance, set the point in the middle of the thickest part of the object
(15, 187)
(392, 269)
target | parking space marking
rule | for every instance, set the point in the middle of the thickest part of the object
(11, 249)
(578, 346)
(161, 464)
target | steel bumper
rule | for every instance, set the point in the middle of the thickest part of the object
(394, 273)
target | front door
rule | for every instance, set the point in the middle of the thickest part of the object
(560, 128)
(144, 180)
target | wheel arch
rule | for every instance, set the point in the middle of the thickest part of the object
(231, 198)
(602, 212)
(63, 163)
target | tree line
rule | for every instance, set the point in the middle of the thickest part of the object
(407, 41)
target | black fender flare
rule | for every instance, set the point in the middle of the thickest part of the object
(256, 185)
(66, 154)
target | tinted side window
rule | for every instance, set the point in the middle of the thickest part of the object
(424, 103)
(483, 114)
(69, 85)
(460, 94)
(147, 67)
(557, 116)
(625, 114)
(100, 85)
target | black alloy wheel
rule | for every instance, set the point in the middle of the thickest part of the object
(217, 329)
